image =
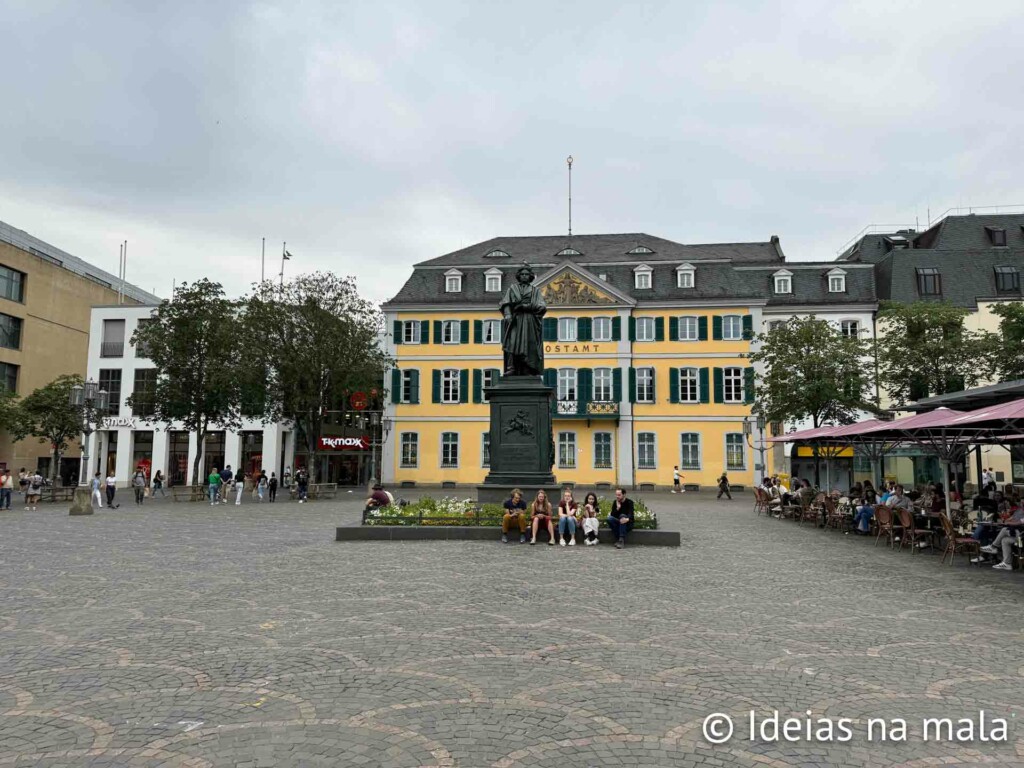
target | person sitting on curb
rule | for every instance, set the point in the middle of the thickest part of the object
(621, 518)
(515, 514)
(378, 498)
(568, 510)
(541, 514)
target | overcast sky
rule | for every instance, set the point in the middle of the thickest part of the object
(372, 135)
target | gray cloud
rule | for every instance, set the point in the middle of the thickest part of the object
(371, 136)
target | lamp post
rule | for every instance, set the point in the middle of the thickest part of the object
(90, 400)
(761, 443)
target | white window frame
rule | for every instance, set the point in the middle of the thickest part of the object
(694, 324)
(604, 379)
(451, 331)
(741, 442)
(441, 457)
(611, 451)
(568, 384)
(654, 450)
(491, 332)
(601, 322)
(839, 276)
(406, 385)
(689, 375)
(686, 276)
(453, 281)
(733, 376)
(647, 371)
(783, 282)
(643, 279)
(402, 443)
(487, 379)
(492, 280)
(567, 329)
(412, 337)
(648, 323)
(843, 328)
(485, 450)
(682, 454)
(451, 379)
(567, 450)
(732, 320)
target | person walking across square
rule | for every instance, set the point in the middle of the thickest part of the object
(214, 489)
(723, 487)
(676, 477)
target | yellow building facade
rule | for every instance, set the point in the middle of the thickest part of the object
(648, 371)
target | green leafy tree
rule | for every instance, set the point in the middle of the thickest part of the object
(194, 343)
(48, 415)
(924, 350)
(1004, 350)
(319, 339)
(10, 411)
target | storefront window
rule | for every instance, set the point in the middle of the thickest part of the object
(214, 453)
(142, 453)
(252, 452)
(177, 465)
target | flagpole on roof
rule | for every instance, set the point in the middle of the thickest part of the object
(263, 260)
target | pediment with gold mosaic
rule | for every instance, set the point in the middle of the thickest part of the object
(567, 289)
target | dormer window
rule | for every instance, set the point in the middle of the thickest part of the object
(568, 252)
(492, 281)
(453, 281)
(640, 249)
(685, 274)
(836, 281)
(642, 277)
(1008, 280)
(996, 236)
(783, 281)
(929, 281)
(497, 254)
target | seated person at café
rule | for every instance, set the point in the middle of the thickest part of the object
(862, 520)
(899, 500)
(515, 514)
(1005, 540)
(938, 499)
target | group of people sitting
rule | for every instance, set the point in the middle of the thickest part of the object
(539, 514)
(997, 507)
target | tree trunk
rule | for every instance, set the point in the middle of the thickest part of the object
(817, 459)
(200, 441)
(53, 467)
(311, 441)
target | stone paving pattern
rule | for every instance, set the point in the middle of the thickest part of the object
(185, 635)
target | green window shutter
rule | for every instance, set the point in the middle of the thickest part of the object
(673, 385)
(632, 385)
(616, 329)
(704, 393)
(659, 329)
(396, 385)
(464, 384)
(464, 332)
(435, 381)
(673, 328)
(438, 337)
(748, 385)
(425, 332)
(584, 388)
(716, 328)
(414, 388)
(632, 329)
(550, 377)
(550, 329)
(501, 330)
(748, 327)
(478, 331)
(583, 332)
(617, 385)
(702, 328)
(398, 331)
(654, 385)
(477, 376)
(719, 386)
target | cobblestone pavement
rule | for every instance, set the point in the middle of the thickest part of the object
(185, 635)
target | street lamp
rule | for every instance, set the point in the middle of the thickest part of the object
(90, 400)
(761, 444)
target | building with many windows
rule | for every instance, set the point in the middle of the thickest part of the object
(46, 296)
(644, 346)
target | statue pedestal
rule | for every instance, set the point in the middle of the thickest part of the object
(82, 503)
(522, 448)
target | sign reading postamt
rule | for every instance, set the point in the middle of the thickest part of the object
(345, 443)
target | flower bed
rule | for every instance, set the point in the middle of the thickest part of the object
(453, 511)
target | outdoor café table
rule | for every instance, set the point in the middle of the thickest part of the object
(931, 522)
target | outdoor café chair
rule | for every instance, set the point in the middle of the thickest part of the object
(955, 543)
(886, 525)
(912, 534)
(760, 501)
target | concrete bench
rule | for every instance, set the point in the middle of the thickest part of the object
(358, 532)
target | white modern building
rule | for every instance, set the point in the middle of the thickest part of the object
(126, 438)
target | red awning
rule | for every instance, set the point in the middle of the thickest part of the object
(803, 434)
(934, 418)
(998, 415)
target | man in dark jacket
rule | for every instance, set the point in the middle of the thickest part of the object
(621, 518)
(226, 476)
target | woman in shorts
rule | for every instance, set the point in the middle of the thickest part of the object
(541, 513)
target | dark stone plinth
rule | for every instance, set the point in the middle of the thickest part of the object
(522, 449)
(82, 502)
(498, 494)
(357, 532)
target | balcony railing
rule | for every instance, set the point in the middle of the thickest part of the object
(586, 409)
(112, 349)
